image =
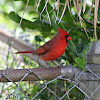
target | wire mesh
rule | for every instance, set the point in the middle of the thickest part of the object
(58, 88)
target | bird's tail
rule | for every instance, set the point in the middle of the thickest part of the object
(24, 52)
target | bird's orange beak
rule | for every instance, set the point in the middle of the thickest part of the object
(69, 38)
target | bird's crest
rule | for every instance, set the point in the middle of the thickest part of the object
(62, 31)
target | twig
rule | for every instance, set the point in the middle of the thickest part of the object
(95, 18)
(63, 11)
(24, 12)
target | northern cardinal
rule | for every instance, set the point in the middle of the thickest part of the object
(54, 48)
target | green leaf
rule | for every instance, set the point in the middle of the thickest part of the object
(25, 23)
(37, 24)
(39, 38)
(79, 62)
(67, 62)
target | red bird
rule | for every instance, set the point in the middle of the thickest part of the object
(54, 48)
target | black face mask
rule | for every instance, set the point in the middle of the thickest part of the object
(66, 36)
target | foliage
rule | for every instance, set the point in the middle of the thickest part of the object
(35, 20)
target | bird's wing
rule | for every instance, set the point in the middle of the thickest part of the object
(44, 49)
(47, 46)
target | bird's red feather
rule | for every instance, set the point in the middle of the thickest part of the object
(52, 49)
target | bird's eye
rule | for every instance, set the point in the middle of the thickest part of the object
(66, 36)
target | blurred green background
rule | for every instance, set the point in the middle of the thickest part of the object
(35, 29)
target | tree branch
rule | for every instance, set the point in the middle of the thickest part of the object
(20, 45)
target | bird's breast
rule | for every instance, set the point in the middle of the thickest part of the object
(58, 49)
(61, 46)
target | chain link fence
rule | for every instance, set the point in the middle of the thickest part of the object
(56, 83)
